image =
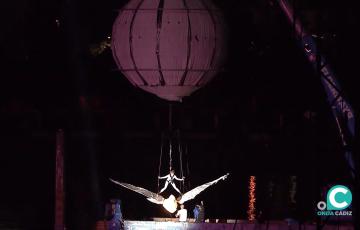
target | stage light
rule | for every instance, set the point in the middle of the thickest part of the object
(252, 199)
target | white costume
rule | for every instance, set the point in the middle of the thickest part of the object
(170, 179)
(171, 203)
(182, 214)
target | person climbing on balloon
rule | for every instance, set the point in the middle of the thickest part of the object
(170, 180)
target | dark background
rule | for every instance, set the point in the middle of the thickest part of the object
(250, 120)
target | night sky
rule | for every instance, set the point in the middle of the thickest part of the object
(250, 120)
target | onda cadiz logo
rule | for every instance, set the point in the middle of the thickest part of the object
(338, 199)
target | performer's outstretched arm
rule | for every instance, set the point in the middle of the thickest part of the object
(163, 177)
(175, 177)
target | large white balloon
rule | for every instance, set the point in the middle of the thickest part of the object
(169, 48)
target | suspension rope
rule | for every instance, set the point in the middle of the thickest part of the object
(187, 166)
(170, 155)
(181, 169)
(181, 164)
(170, 137)
(161, 153)
(170, 131)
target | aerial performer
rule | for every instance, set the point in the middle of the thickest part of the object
(170, 180)
(171, 203)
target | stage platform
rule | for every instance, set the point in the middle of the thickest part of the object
(226, 225)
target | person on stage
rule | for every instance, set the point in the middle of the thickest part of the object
(201, 216)
(196, 211)
(199, 212)
(182, 214)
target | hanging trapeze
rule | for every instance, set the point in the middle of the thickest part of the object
(171, 176)
(171, 203)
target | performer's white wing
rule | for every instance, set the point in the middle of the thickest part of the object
(196, 191)
(151, 196)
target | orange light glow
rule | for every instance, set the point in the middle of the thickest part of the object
(252, 199)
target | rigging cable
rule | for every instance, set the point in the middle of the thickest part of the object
(170, 155)
(170, 131)
(181, 164)
(187, 166)
(161, 153)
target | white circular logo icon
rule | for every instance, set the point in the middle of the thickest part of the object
(321, 205)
